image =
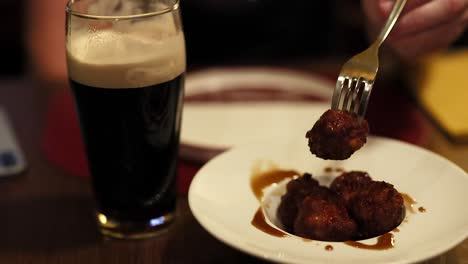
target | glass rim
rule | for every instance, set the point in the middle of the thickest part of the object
(171, 8)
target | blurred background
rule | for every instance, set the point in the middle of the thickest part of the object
(234, 32)
(12, 44)
(315, 36)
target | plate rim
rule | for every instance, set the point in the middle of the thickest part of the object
(195, 83)
(200, 152)
(456, 240)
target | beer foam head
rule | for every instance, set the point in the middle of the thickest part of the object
(126, 54)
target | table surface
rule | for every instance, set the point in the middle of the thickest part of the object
(47, 214)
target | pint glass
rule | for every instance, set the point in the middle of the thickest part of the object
(126, 64)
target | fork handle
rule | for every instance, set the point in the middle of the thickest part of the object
(391, 20)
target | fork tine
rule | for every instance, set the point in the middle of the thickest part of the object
(356, 96)
(337, 93)
(364, 98)
(349, 97)
(347, 92)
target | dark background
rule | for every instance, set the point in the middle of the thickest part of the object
(13, 57)
(235, 32)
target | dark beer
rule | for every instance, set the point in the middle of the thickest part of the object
(126, 67)
(131, 137)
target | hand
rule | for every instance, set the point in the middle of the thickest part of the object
(423, 27)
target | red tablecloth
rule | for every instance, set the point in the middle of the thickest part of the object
(63, 146)
(390, 114)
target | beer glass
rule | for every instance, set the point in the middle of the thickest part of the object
(126, 64)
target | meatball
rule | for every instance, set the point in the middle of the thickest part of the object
(377, 208)
(349, 184)
(302, 184)
(354, 207)
(297, 190)
(322, 216)
(337, 135)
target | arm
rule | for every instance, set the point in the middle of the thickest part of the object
(45, 41)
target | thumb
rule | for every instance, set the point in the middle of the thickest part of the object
(377, 11)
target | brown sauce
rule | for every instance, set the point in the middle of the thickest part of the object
(396, 230)
(409, 202)
(422, 209)
(330, 169)
(260, 181)
(252, 93)
(260, 223)
(384, 241)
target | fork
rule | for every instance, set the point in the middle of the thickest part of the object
(357, 75)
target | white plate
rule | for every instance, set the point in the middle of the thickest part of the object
(209, 128)
(221, 199)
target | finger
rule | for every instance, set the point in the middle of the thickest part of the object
(433, 39)
(430, 15)
(373, 11)
(381, 9)
(387, 5)
(412, 4)
(377, 11)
